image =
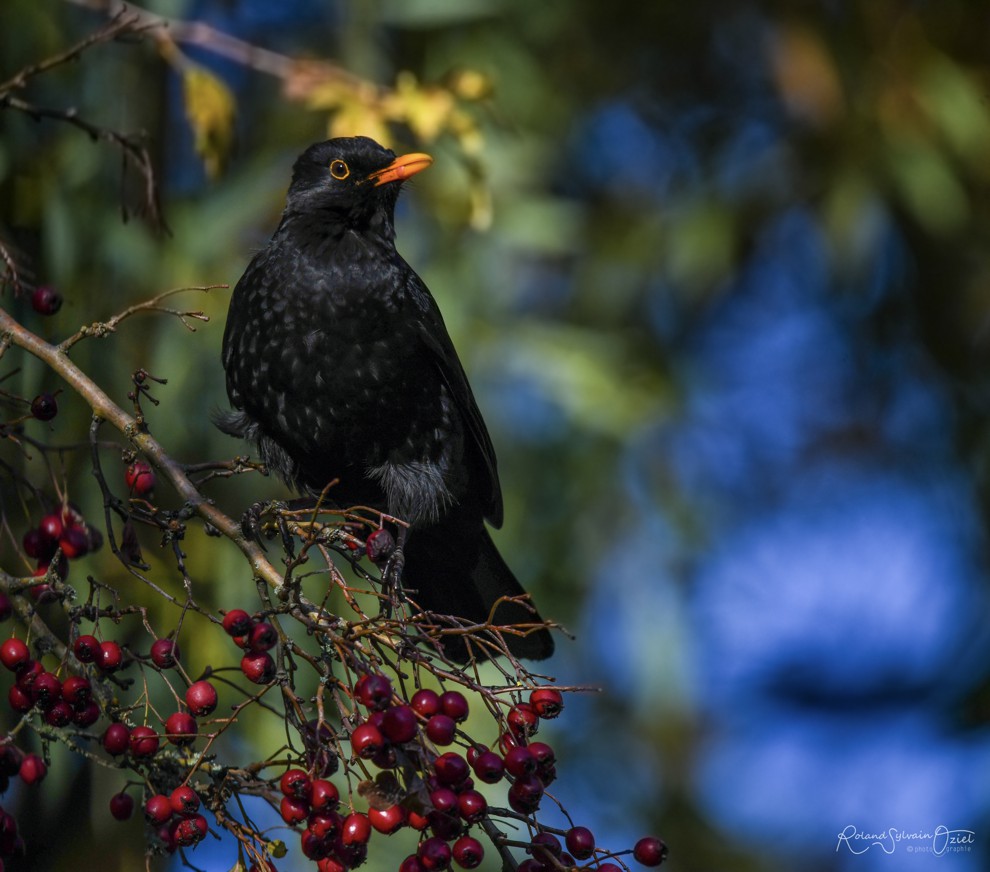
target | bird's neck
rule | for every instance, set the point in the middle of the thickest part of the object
(377, 226)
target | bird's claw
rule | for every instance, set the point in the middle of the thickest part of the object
(253, 526)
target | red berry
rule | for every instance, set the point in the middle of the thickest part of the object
(399, 724)
(548, 702)
(580, 842)
(379, 546)
(85, 714)
(33, 769)
(158, 810)
(506, 742)
(51, 526)
(418, 821)
(454, 705)
(190, 831)
(411, 864)
(293, 810)
(38, 544)
(86, 649)
(77, 690)
(434, 853)
(650, 851)
(14, 653)
(523, 720)
(201, 697)
(525, 794)
(313, 847)
(295, 782)
(323, 795)
(519, 761)
(237, 622)
(426, 702)
(27, 673)
(367, 740)
(356, 829)
(441, 729)
(140, 478)
(143, 742)
(165, 653)
(451, 768)
(110, 656)
(262, 637)
(180, 728)
(74, 542)
(544, 847)
(488, 767)
(325, 825)
(543, 753)
(44, 407)
(121, 806)
(117, 739)
(373, 691)
(609, 867)
(330, 864)
(19, 699)
(387, 820)
(166, 834)
(46, 690)
(258, 667)
(468, 853)
(45, 300)
(59, 714)
(471, 806)
(444, 800)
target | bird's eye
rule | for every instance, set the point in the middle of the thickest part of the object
(339, 170)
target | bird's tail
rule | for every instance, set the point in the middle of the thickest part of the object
(446, 575)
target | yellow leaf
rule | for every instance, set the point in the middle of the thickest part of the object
(210, 109)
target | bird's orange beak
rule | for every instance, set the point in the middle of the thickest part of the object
(401, 168)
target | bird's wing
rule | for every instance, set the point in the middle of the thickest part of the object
(433, 333)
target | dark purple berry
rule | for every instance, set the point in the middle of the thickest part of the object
(399, 724)
(46, 300)
(650, 851)
(379, 546)
(44, 407)
(468, 852)
(454, 705)
(580, 842)
(165, 653)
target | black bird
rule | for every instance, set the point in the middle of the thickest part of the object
(339, 366)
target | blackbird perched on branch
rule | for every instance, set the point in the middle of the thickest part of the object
(339, 366)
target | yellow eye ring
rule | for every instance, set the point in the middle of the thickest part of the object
(339, 170)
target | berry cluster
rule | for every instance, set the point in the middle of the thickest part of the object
(176, 818)
(257, 637)
(60, 536)
(404, 741)
(410, 762)
(60, 702)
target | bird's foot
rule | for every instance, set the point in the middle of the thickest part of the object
(253, 524)
(392, 576)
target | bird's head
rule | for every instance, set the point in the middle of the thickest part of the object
(351, 180)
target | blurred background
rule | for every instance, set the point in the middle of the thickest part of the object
(719, 274)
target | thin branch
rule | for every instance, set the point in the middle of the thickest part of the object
(103, 407)
(119, 24)
(101, 329)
